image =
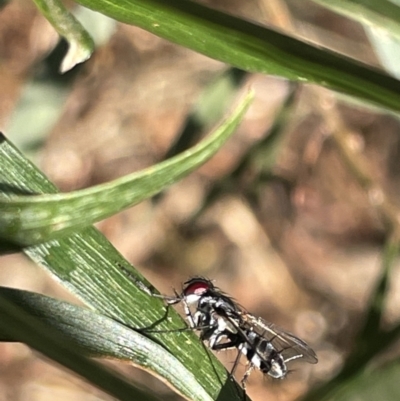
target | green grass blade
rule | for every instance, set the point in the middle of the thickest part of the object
(252, 47)
(21, 326)
(100, 337)
(90, 267)
(381, 14)
(32, 219)
(209, 108)
(80, 43)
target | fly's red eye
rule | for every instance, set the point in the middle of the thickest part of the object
(197, 287)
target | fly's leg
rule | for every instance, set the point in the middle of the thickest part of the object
(226, 345)
(193, 321)
(236, 364)
(246, 376)
(170, 300)
(232, 374)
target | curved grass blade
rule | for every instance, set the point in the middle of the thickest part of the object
(252, 47)
(80, 43)
(90, 267)
(17, 324)
(209, 108)
(383, 14)
(100, 337)
(32, 219)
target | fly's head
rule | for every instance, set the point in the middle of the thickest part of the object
(196, 288)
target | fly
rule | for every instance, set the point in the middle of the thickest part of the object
(224, 324)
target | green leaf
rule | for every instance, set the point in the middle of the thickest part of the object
(386, 47)
(382, 14)
(33, 219)
(208, 109)
(381, 22)
(80, 43)
(252, 47)
(90, 334)
(18, 325)
(90, 267)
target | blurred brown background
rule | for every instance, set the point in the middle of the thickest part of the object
(293, 236)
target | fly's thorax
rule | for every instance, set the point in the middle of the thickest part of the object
(203, 319)
(252, 337)
(218, 335)
(224, 325)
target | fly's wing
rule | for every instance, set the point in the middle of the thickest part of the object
(287, 344)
